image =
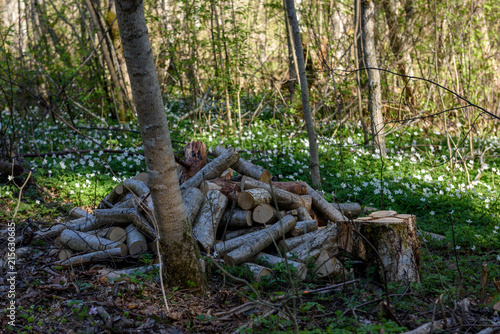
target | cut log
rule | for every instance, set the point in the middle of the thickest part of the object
(240, 232)
(129, 200)
(124, 274)
(192, 199)
(206, 223)
(286, 200)
(327, 264)
(264, 214)
(303, 214)
(227, 174)
(113, 233)
(324, 207)
(224, 186)
(303, 227)
(65, 254)
(294, 187)
(137, 187)
(383, 213)
(350, 210)
(395, 239)
(108, 254)
(290, 243)
(112, 198)
(81, 224)
(212, 170)
(136, 242)
(267, 259)
(324, 239)
(239, 218)
(307, 200)
(245, 167)
(195, 156)
(250, 198)
(265, 238)
(81, 241)
(224, 247)
(257, 271)
(77, 212)
(123, 216)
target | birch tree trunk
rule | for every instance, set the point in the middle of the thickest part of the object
(177, 245)
(370, 56)
(399, 46)
(304, 92)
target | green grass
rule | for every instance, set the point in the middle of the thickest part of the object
(417, 177)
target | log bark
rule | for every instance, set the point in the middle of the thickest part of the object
(267, 259)
(307, 200)
(77, 212)
(195, 156)
(125, 215)
(142, 177)
(286, 200)
(350, 210)
(239, 218)
(112, 198)
(266, 238)
(324, 207)
(324, 239)
(303, 227)
(127, 201)
(137, 187)
(257, 271)
(288, 244)
(136, 242)
(264, 214)
(294, 187)
(240, 232)
(108, 254)
(65, 254)
(224, 186)
(245, 167)
(250, 198)
(395, 239)
(303, 214)
(80, 224)
(327, 264)
(213, 169)
(192, 199)
(206, 223)
(81, 241)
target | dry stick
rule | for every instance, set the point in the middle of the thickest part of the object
(20, 191)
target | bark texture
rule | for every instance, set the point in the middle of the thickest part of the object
(370, 56)
(174, 228)
(304, 92)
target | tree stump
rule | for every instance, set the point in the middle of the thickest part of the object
(393, 236)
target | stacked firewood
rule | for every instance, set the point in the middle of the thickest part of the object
(239, 215)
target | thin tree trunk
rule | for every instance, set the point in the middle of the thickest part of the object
(175, 231)
(370, 56)
(399, 46)
(306, 108)
(106, 51)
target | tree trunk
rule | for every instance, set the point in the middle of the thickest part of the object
(370, 56)
(176, 240)
(399, 46)
(304, 90)
(393, 236)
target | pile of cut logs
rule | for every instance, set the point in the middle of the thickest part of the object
(239, 215)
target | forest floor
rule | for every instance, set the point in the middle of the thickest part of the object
(455, 197)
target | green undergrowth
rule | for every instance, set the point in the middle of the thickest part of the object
(451, 190)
